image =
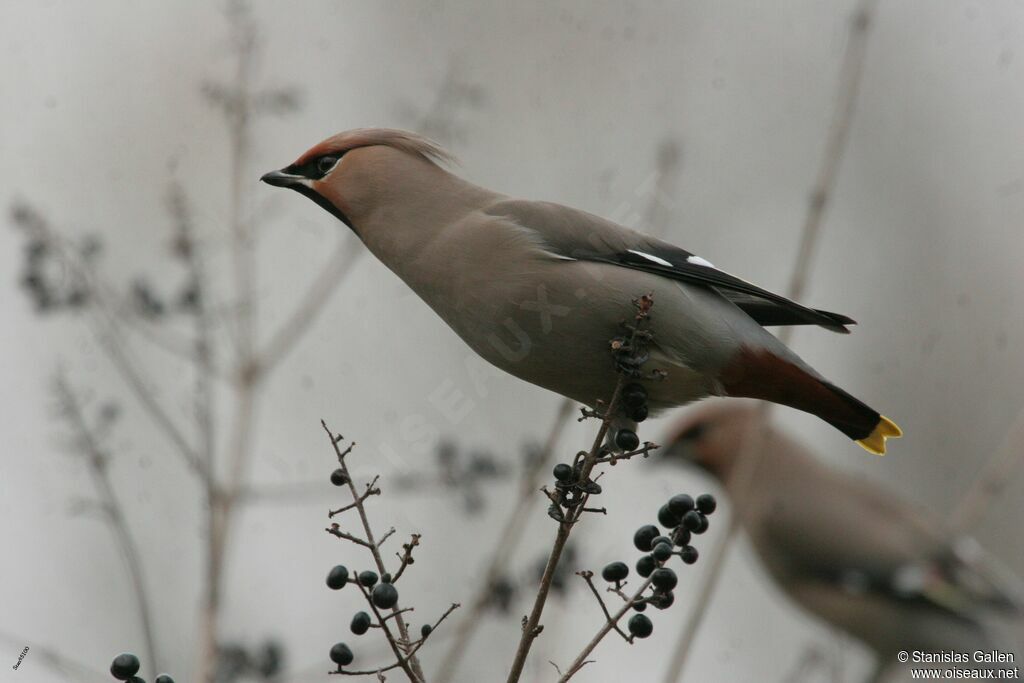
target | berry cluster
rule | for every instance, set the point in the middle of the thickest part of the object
(683, 517)
(381, 594)
(126, 666)
(378, 589)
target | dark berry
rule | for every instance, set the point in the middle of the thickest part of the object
(425, 630)
(640, 625)
(634, 395)
(338, 577)
(667, 518)
(638, 414)
(640, 605)
(662, 552)
(164, 678)
(338, 477)
(703, 525)
(385, 578)
(367, 578)
(663, 600)
(124, 666)
(664, 579)
(658, 540)
(643, 537)
(706, 503)
(616, 571)
(341, 654)
(360, 623)
(681, 537)
(691, 520)
(645, 565)
(385, 596)
(626, 439)
(689, 554)
(562, 471)
(680, 504)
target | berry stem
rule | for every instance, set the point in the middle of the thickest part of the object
(611, 622)
(409, 663)
(531, 625)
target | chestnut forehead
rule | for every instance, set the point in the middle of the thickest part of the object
(332, 145)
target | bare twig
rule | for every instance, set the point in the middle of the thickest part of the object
(991, 481)
(835, 147)
(406, 557)
(611, 623)
(531, 624)
(506, 546)
(588, 576)
(412, 665)
(58, 661)
(312, 304)
(371, 490)
(96, 459)
(398, 647)
(412, 652)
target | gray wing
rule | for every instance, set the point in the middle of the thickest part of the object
(858, 537)
(575, 234)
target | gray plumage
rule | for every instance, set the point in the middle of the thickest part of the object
(539, 289)
(848, 550)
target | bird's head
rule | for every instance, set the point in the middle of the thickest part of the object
(713, 435)
(352, 173)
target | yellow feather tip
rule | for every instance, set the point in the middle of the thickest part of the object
(875, 441)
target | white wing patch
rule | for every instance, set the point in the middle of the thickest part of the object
(652, 259)
(698, 261)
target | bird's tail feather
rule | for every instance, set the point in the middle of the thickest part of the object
(761, 374)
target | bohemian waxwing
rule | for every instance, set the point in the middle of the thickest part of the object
(539, 289)
(846, 549)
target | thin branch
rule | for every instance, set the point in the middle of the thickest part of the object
(371, 490)
(531, 624)
(991, 481)
(311, 304)
(402, 660)
(412, 652)
(414, 670)
(335, 530)
(405, 559)
(96, 460)
(57, 660)
(750, 453)
(588, 576)
(237, 109)
(108, 333)
(506, 546)
(611, 622)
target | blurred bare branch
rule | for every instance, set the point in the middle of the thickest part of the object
(96, 459)
(58, 661)
(848, 89)
(992, 480)
(506, 547)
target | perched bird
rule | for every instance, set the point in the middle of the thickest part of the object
(846, 549)
(538, 289)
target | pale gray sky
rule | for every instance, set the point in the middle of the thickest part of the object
(100, 107)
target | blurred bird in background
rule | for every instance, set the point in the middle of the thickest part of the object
(848, 550)
(538, 289)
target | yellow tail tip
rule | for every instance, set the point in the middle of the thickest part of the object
(875, 441)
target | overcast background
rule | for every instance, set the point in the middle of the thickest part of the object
(100, 108)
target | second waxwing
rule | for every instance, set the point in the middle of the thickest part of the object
(848, 550)
(539, 289)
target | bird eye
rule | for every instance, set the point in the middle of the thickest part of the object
(325, 164)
